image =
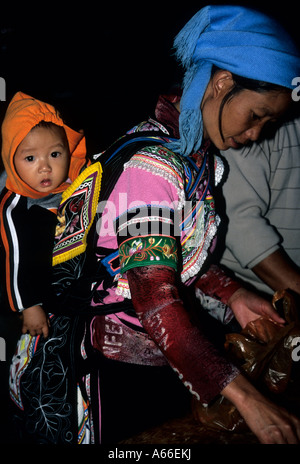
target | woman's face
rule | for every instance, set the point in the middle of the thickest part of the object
(243, 116)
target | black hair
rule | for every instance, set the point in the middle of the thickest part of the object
(49, 125)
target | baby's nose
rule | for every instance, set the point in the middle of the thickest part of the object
(44, 166)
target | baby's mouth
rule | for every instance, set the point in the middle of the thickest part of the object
(46, 182)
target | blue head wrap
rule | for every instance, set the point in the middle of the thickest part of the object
(243, 41)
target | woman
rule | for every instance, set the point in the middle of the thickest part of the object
(238, 77)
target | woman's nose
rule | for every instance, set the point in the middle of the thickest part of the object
(254, 132)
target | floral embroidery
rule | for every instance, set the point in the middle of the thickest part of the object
(143, 251)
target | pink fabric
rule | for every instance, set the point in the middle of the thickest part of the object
(134, 187)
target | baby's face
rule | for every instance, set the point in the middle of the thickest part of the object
(42, 159)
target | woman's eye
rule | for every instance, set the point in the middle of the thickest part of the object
(255, 117)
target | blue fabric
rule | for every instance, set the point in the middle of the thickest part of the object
(243, 41)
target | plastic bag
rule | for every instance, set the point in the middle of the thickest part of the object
(263, 351)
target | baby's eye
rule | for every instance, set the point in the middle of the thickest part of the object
(55, 154)
(29, 158)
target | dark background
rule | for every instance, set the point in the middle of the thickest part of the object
(103, 66)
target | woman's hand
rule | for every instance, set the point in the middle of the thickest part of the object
(248, 306)
(269, 422)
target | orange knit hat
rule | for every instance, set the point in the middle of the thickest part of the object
(23, 113)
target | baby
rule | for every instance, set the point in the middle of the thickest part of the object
(41, 156)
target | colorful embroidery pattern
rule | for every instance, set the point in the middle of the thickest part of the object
(196, 240)
(199, 221)
(76, 214)
(24, 352)
(161, 162)
(84, 433)
(143, 251)
(191, 219)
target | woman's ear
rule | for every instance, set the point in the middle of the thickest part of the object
(222, 81)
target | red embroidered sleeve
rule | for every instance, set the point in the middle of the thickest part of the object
(202, 368)
(217, 284)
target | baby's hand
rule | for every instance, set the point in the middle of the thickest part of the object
(35, 321)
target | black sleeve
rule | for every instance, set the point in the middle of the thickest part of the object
(27, 238)
(37, 264)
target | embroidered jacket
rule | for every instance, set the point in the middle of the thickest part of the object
(161, 211)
